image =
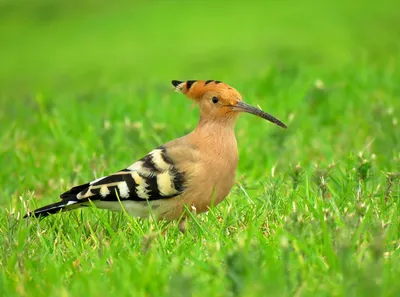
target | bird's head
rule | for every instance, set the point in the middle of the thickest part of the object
(219, 101)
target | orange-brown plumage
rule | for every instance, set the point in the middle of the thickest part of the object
(194, 171)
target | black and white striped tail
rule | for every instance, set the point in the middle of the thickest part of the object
(49, 210)
(154, 177)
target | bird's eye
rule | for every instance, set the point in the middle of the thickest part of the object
(214, 100)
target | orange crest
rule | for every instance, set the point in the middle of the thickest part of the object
(195, 89)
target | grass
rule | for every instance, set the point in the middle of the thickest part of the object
(85, 91)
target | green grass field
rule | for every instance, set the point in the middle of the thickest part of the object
(85, 90)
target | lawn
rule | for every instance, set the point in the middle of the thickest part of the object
(85, 90)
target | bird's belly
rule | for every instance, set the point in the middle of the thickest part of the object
(136, 209)
(197, 198)
(202, 195)
(205, 187)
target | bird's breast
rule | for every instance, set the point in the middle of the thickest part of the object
(214, 175)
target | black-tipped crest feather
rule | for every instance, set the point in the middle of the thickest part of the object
(176, 83)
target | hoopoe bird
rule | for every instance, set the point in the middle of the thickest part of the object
(194, 171)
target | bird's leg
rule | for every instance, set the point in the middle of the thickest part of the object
(165, 228)
(182, 225)
(183, 220)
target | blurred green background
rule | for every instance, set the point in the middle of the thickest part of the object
(54, 44)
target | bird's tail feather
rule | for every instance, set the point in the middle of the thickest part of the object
(48, 210)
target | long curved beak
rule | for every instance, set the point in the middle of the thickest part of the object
(244, 107)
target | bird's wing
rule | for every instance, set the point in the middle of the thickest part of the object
(153, 177)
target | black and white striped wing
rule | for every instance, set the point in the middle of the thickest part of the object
(151, 178)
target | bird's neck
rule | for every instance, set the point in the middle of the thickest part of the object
(215, 127)
(216, 136)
